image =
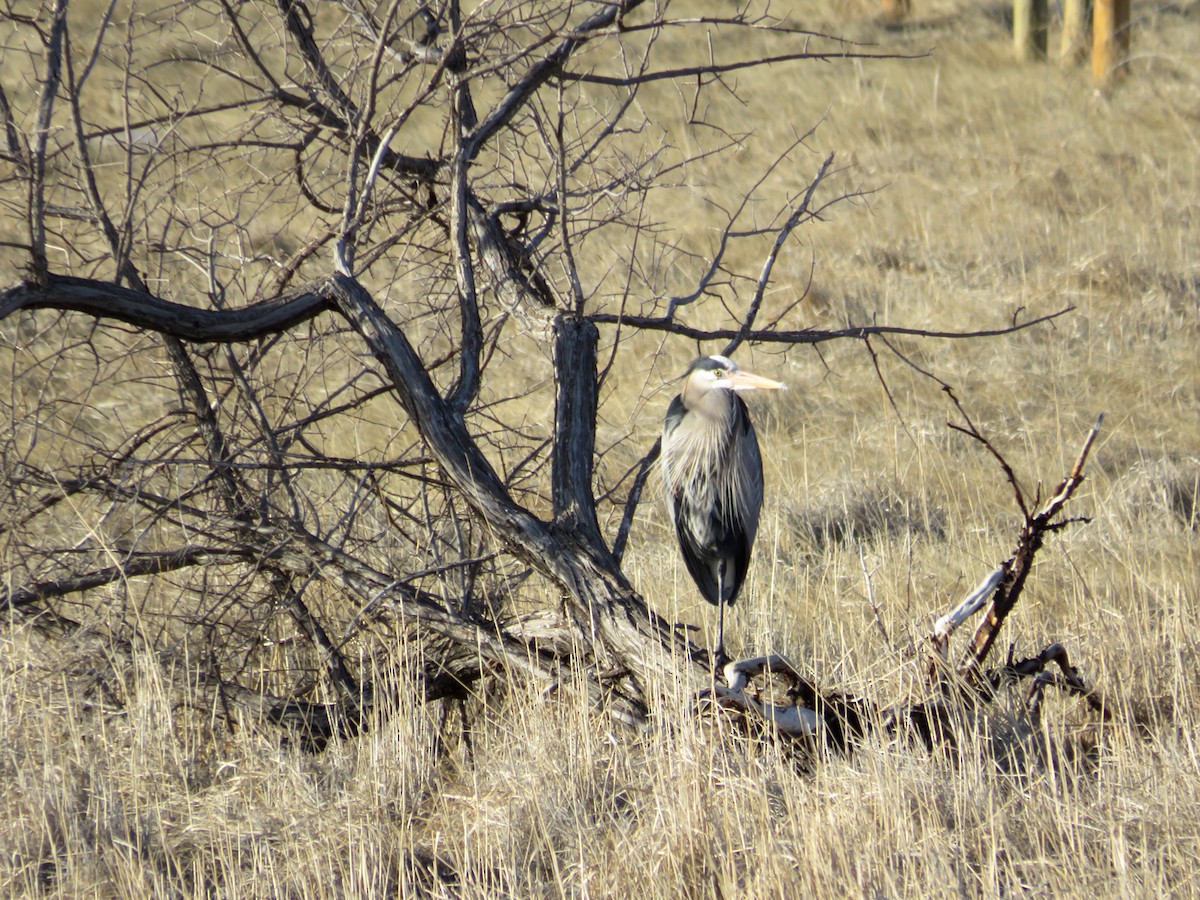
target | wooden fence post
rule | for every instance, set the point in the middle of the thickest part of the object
(895, 10)
(1110, 39)
(1030, 29)
(1074, 32)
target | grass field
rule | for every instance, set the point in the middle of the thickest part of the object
(996, 190)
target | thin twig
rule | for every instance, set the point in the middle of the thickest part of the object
(862, 560)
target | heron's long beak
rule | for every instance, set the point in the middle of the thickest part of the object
(748, 381)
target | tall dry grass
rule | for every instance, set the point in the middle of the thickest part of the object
(1000, 187)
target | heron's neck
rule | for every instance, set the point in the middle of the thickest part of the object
(690, 450)
(714, 407)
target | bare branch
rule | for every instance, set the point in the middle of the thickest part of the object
(143, 310)
(467, 388)
(133, 565)
(1068, 679)
(299, 23)
(542, 71)
(713, 68)
(16, 149)
(810, 335)
(797, 215)
(644, 467)
(945, 627)
(37, 152)
(1018, 566)
(971, 431)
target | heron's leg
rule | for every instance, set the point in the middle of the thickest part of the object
(719, 660)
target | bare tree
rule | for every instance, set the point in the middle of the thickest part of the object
(319, 250)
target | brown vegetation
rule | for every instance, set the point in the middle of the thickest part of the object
(273, 537)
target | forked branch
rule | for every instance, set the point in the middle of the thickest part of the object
(1017, 567)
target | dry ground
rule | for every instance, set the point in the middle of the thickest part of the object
(999, 187)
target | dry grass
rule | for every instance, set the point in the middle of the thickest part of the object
(1001, 187)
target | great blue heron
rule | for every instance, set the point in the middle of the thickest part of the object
(714, 479)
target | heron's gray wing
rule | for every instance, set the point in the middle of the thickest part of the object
(748, 492)
(739, 509)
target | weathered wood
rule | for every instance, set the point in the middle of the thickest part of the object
(788, 718)
(627, 636)
(1017, 567)
(470, 350)
(575, 405)
(945, 627)
(813, 717)
(1068, 679)
(109, 301)
(517, 284)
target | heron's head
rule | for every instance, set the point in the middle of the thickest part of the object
(720, 373)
